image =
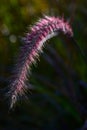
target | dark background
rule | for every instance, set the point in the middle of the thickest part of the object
(58, 82)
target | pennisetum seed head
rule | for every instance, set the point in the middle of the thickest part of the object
(34, 41)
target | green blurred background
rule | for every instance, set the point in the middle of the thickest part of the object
(58, 82)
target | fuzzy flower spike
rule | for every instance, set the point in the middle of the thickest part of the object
(43, 30)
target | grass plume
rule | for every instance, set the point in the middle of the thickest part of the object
(34, 40)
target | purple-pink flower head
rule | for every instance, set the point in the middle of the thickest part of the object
(43, 30)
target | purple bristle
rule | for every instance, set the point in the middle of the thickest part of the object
(43, 30)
